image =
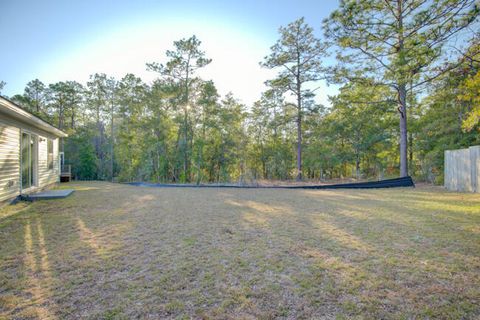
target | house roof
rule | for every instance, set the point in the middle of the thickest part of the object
(18, 113)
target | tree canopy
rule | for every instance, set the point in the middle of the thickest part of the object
(394, 59)
(396, 44)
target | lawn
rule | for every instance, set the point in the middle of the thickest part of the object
(114, 251)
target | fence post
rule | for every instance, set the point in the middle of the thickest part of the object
(447, 180)
(475, 167)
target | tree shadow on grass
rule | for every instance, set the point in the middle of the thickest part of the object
(412, 253)
(246, 253)
(58, 265)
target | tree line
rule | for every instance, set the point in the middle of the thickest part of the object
(395, 60)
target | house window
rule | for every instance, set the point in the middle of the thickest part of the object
(50, 154)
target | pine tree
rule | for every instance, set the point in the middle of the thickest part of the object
(299, 54)
(396, 43)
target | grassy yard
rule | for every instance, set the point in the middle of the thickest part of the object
(119, 252)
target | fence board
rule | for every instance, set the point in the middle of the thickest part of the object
(462, 169)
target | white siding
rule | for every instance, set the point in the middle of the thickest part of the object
(9, 161)
(10, 179)
(47, 176)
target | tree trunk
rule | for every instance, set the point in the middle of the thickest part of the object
(200, 163)
(186, 161)
(111, 141)
(402, 94)
(299, 150)
(72, 119)
(357, 166)
(402, 109)
(299, 134)
(185, 147)
(410, 153)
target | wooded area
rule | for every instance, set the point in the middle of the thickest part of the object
(398, 60)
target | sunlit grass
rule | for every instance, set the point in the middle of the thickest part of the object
(113, 251)
(13, 209)
(38, 276)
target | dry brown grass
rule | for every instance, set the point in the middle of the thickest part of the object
(114, 251)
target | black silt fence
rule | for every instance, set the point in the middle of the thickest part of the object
(389, 183)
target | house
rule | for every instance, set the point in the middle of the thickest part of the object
(29, 152)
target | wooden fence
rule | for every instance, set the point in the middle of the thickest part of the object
(462, 169)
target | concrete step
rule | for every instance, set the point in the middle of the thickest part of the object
(48, 194)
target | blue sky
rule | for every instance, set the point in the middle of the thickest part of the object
(69, 40)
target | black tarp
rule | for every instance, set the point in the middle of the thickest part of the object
(389, 183)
